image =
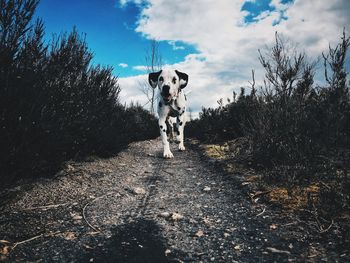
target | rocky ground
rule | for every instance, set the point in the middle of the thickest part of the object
(138, 207)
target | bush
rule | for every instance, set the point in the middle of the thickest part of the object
(289, 120)
(224, 122)
(54, 105)
(297, 131)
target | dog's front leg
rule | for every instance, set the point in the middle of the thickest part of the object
(180, 127)
(163, 129)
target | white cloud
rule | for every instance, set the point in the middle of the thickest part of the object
(131, 89)
(123, 65)
(228, 48)
(123, 3)
(140, 68)
(175, 47)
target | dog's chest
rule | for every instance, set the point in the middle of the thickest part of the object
(176, 108)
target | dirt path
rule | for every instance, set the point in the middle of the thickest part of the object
(138, 207)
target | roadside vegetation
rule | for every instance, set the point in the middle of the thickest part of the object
(292, 131)
(54, 104)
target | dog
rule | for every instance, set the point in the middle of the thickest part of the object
(171, 106)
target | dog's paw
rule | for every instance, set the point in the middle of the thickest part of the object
(181, 147)
(168, 155)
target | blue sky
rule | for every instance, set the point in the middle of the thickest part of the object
(215, 42)
(110, 32)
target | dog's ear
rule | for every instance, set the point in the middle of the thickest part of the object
(153, 78)
(183, 79)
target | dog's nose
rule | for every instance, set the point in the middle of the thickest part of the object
(165, 89)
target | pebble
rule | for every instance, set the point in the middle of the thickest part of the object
(139, 191)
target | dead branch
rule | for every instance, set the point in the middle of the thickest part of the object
(33, 238)
(260, 193)
(289, 224)
(261, 212)
(89, 203)
(275, 250)
(252, 84)
(49, 206)
(329, 227)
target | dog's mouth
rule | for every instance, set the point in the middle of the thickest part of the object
(167, 97)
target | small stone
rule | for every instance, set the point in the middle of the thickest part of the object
(237, 247)
(77, 217)
(206, 189)
(164, 214)
(139, 191)
(69, 236)
(199, 233)
(176, 217)
(206, 221)
(273, 226)
(167, 252)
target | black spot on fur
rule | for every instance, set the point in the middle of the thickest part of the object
(161, 126)
(180, 123)
(179, 108)
(160, 104)
(164, 130)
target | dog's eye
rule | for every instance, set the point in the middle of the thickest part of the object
(174, 80)
(161, 79)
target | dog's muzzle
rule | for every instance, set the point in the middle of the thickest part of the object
(165, 93)
(167, 98)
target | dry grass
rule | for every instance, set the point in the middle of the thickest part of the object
(217, 151)
(296, 198)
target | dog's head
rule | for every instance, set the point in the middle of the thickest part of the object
(169, 82)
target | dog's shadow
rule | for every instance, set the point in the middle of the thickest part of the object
(136, 242)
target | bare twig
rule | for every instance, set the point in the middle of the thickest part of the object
(167, 172)
(261, 212)
(87, 204)
(252, 84)
(33, 238)
(275, 250)
(260, 193)
(329, 227)
(27, 240)
(289, 224)
(49, 206)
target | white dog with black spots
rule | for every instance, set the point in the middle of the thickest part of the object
(171, 105)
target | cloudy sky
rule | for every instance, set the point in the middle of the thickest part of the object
(215, 42)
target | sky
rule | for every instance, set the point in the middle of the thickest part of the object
(215, 42)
